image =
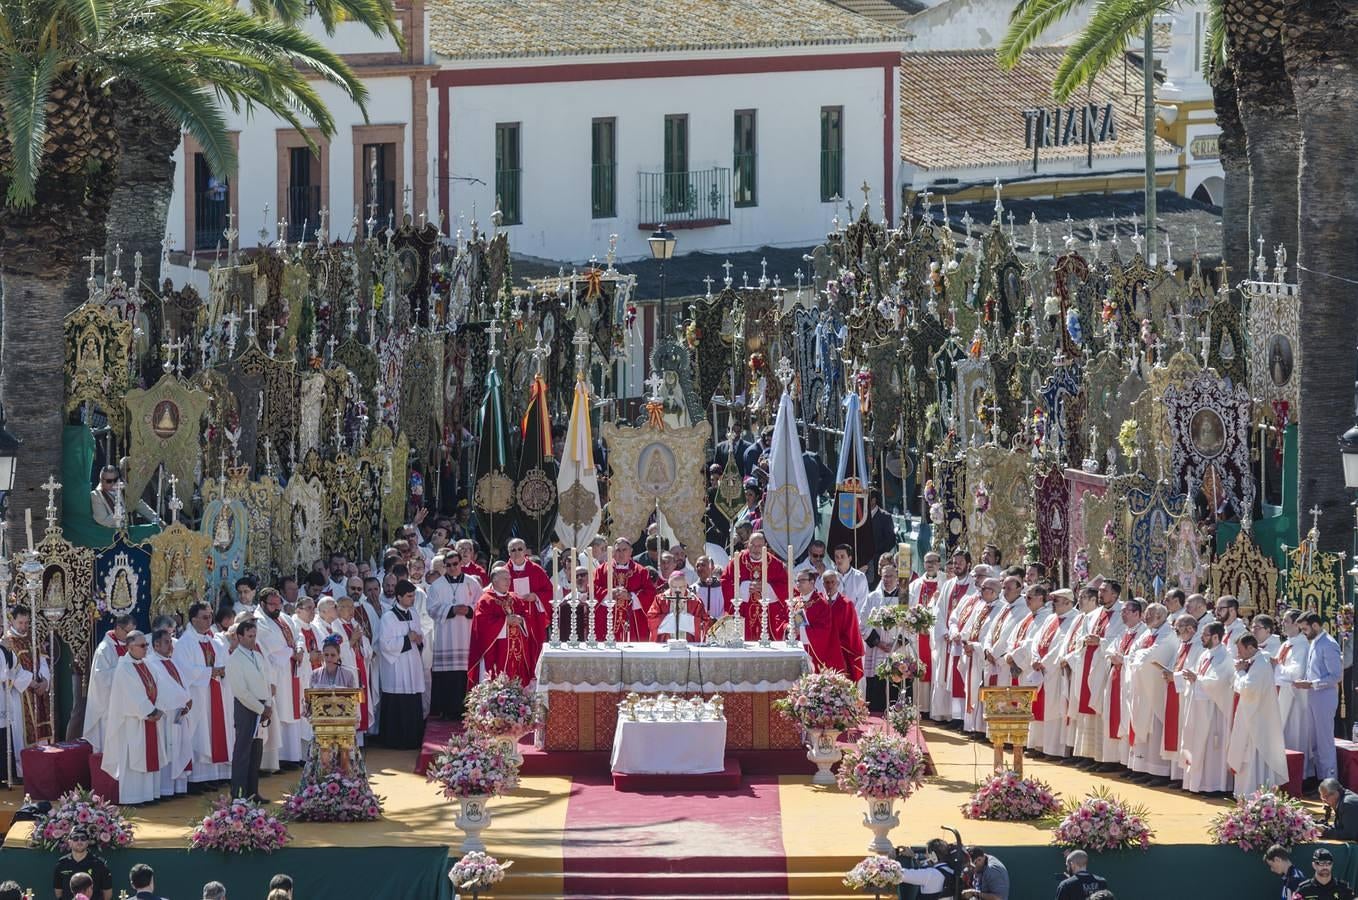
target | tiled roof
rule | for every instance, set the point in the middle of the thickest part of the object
(479, 29)
(959, 108)
(888, 12)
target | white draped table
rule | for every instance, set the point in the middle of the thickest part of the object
(669, 748)
(582, 689)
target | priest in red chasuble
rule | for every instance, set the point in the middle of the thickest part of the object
(530, 581)
(815, 623)
(692, 620)
(755, 564)
(633, 594)
(846, 619)
(502, 637)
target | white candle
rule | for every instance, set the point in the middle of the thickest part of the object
(28, 526)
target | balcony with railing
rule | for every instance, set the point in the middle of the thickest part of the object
(304, 211)
(699, 199)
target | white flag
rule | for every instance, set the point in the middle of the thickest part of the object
(788, 517)
(577, 481)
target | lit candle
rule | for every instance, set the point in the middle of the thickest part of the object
(28, 526)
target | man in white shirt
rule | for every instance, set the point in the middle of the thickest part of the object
(249, 676)
(853, 584)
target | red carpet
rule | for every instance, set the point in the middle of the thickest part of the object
(725, 843)
(726, 780)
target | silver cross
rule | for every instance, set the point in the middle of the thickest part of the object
(51, 486)
(708, 281)
(539, 352)
(581, 342)
(727, 266)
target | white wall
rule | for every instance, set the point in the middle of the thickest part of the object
(556, 144)
(977, 25)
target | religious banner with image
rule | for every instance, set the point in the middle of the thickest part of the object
(1275, 346)
(122, 584)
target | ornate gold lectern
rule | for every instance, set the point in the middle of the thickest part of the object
(334, 719)
(1008, 713)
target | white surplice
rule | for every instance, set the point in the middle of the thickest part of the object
(106, 657)
(1256, 753)
(1207, 723)
(191, 654)
(1146, 688)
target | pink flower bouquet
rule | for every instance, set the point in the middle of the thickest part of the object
(472, 766)
(887, 617)
(875, 873)
(1006, 797)
(899, 667)
(102, 821)
(826, 700)
(334, 798)
(882, 767)
(1263, 819)
(476, 872)
(501, 706)
(1101, 822)
(902, 716)
(917, 619)
(239, 826)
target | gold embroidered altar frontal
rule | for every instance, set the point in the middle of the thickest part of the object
(583, 688)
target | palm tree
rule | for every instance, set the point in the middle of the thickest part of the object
(64, 65)
(145, 180)
(1320, 48)
(1235, 164)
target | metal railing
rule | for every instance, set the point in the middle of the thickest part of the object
(684, 197)
(209, 218)
(603, 181)
(304, 211)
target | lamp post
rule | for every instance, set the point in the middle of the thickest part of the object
(9, 458)
(662, 243)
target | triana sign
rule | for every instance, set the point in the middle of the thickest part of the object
(1205, 147)
(1062, 127)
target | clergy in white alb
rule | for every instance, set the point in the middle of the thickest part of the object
(173, 699)
(136, 740)
(1102, 628)
(1114, 698)
(1263, 628)
(1039, 662)
(1289, 665)
(200, 656)
(276, 637)
(923, 592)
(946, 690)
(1185, 659)
(1227, 612)
(1256, 753)
(879, 642)
(1072, 663)
(112, 647)
(27, 687)
(975, 633)
(1000, 631)
(1016, 650)
(1209, 693)
(357, 653)
(1151, 657)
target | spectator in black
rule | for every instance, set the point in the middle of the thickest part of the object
(81, 860)
(10, 890)
(989, 877)
(1081, 883)
(1279, 862)
(82, 886)
(1323, 885)
(1341, 805)
(143, 880)
(281, 882)
(214, 890)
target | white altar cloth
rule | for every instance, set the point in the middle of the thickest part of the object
(669, 748)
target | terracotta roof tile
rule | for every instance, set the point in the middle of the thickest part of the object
(888, 12)
(959, 108)
(478, 29)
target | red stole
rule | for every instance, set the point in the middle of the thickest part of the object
(148, 683)
(37, 716)
(971, 657)
(1147, 641)
(361, 665)
(1044, 644)
(924, 639)
(822, 642)
(292, 662)
(217, 707)
(1115, 689)
(959, 684)
(1100, 629)
(364, 622)
(309, 637)
(1172, 701)
(119, 648)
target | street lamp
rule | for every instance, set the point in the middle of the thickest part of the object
(662, 243)
(9, 455)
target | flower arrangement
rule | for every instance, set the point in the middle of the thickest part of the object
(918, 619)
(471, 766)
(335, 798)
(1263, 819)
(501, 706)
(823, 700)
(103, 823)
(1101, 822)
(902, 717)
(477, 871)
(875, 873)
(238, 826)
(886, 618)
(899, 667)
(883, 767)
(1008, 797)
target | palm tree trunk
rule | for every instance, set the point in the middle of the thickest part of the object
(1235, 206)
(1321, 46)
(144, 184)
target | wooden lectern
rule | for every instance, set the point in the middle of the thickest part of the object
(1008, 713)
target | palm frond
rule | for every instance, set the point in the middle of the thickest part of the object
(1102, 43)
(1030, 20)
(1214, 42)
(192, 106)
(23, 96)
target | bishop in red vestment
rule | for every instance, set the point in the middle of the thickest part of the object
(502, 637)
(661, 614)
(530, 581)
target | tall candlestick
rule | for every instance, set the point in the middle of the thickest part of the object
(28, 526)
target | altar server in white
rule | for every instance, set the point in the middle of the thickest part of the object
(1209, 694)
(1256, 754)
(923, 591)
(200, 656)
(112, 647)
(452, 599)
(136, 744)
(402, 673)
(175, 702)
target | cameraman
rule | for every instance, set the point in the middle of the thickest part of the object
(989, 877)
(938, 880)
(1081, 883)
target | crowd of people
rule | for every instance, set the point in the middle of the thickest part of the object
(82, 874)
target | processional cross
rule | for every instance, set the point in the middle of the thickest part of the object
(175, 503)
(727, 266)
(51, 486)
(539, 352)
(581, 342)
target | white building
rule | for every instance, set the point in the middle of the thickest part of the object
(1187, 117)
(740, 122)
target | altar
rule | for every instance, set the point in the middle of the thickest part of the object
(582, 688)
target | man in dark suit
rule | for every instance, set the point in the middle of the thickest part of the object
(143, 880)
(1342, 806)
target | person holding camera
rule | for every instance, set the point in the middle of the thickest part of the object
(938, 880)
